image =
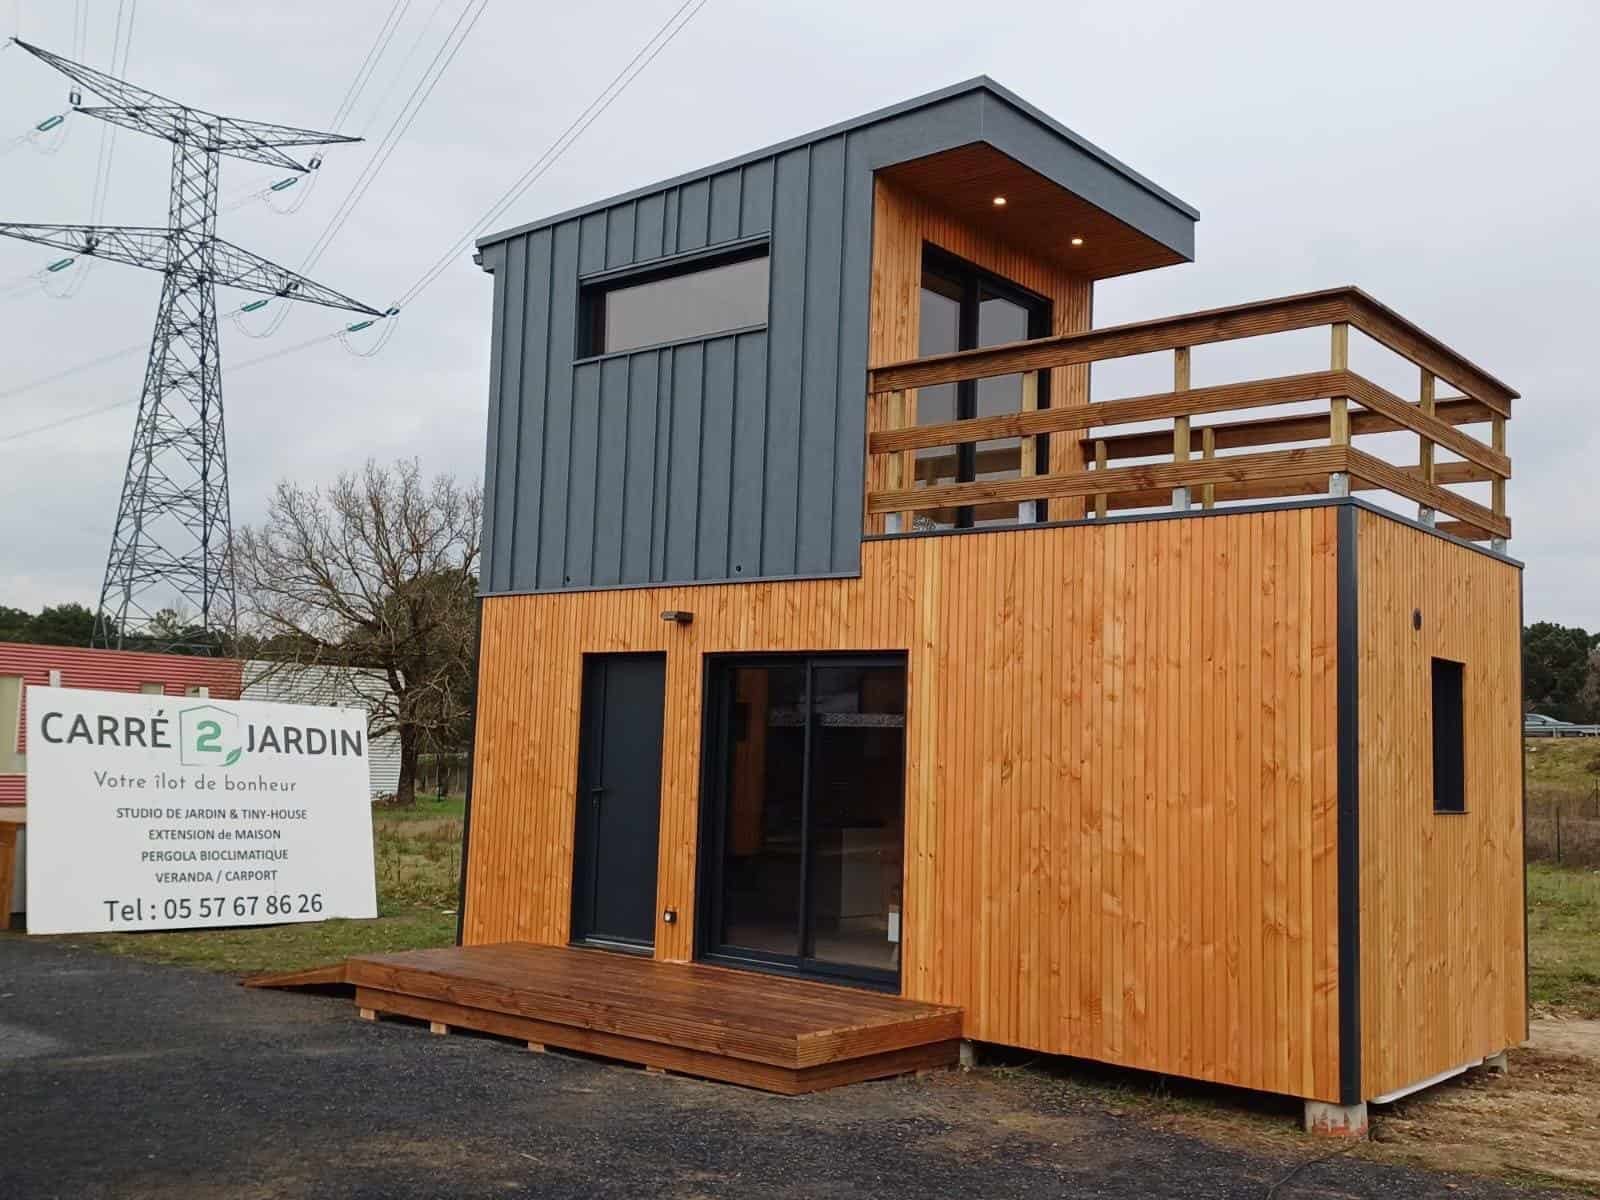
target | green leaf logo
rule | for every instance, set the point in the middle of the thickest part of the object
(233, 757)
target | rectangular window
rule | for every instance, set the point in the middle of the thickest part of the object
(10, 726)
(153, 689)
(699, 299)
(1449, 738)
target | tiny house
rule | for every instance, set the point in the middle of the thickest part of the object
(832, 630)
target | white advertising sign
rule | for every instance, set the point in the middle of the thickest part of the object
(165, 812)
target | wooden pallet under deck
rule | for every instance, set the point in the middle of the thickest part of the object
(763, 1031)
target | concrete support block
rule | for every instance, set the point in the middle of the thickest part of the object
(1338, 484)
(1426, 515)
(1336, 1120)
(1180, 499)
(969, 1055)
(1498, 1064)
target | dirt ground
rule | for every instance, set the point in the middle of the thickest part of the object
(127, 1079)
(1542, 1121)
(1539, 1125)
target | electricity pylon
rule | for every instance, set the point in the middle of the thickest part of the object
(171, 562)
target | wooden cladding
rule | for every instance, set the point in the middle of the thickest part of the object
(1120, 778)
(1443, 954)
(904, 223)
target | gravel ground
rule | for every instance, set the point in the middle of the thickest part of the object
(120, 1078)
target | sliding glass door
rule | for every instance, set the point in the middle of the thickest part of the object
(802, 843)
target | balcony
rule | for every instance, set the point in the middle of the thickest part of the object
(1150, 451)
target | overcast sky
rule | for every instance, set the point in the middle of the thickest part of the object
(1445, 157)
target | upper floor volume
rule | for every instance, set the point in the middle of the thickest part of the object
(884, 328)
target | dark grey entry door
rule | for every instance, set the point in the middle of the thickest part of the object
(619, 800)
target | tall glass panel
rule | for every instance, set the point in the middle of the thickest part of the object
(939, 332)
(761, 868)
(858, 723)
(999, 321)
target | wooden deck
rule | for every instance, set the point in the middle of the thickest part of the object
(763, 1031)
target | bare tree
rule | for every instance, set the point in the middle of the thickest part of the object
(373, 578)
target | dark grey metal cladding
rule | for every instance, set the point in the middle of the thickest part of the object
(740, 456)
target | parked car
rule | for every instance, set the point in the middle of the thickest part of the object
(1539, 725)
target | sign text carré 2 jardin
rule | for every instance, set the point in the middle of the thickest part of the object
(161, 812)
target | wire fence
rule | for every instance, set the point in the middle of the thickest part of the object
(1564, 825)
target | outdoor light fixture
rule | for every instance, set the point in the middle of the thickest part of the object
(678, 616)
(1077, 241)
(999, 201)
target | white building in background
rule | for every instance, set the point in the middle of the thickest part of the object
(288, 683)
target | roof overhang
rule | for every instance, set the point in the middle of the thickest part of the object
(955, 142)
(989, 191)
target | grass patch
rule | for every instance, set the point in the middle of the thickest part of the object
(1563, 764)
(1564, 938)
(417, 856)
(278, 947)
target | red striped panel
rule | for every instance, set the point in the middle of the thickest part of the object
(108, 671)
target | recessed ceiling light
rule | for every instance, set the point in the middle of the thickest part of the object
(1077, 241)
(999, 201)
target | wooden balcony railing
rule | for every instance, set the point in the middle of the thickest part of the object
(1201, 463)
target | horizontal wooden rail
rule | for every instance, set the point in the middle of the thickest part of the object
(942, 466)
(1261, 393)
(1275, 431)
(1279, 489)
(1336, 306)
(1286, 389)
(1238, 468)
(1379, 400)
(1394, 479)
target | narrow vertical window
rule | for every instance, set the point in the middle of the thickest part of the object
(1449, 749)
(10, 725)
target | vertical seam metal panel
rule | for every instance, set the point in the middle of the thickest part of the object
(537, 493)
(492, 449)
(1349, 807)
(842, 488)
(766, 383)
(516, 252)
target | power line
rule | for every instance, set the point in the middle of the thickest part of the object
(121, 47)
(139, 347)
(369, 64)
(400, 71)
(122, 43)
(67, 374)
(608, 95)
(352, 95)
(402, 122)
(397, 129)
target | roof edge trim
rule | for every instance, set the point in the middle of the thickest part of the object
(978, 83)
